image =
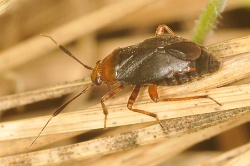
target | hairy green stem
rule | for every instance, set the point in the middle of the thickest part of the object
(208, 19)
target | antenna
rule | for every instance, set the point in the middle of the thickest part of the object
(66, 51)
(60, 109)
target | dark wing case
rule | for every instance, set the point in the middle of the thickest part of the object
(154, 60)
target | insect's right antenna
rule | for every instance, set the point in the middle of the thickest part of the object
(60, 109)
(66, 51)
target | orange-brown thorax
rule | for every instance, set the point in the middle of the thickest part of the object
(105, 70)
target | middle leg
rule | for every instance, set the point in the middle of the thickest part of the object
(131, 102)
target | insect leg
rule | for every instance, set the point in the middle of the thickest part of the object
(152, 90)
(107, 96)
(162, 29)
(131, 102)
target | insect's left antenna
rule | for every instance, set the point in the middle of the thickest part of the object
(60, 109)
(66, 51)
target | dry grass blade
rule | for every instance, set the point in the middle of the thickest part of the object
(236, 156)
(4, 4)
(92, 118)
(172, 145)
(175, 127)
(16, 100)
(231, 47)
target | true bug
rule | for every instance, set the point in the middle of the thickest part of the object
(165, 60)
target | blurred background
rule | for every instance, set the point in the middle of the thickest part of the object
(23, 21)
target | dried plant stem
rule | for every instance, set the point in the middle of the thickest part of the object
(148, 135)
(172, 146)
(5, 4)
(92, 118)
(237, 156)
(16, 100)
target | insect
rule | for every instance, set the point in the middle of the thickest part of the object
(162, 60)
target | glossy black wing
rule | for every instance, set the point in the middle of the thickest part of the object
(138, 65)
(177, 46)
(184, 50)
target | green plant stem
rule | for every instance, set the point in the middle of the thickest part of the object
(208, 19)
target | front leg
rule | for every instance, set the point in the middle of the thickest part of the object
(107, 96)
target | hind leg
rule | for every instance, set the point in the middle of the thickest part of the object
(161, 29)
(152, 90)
